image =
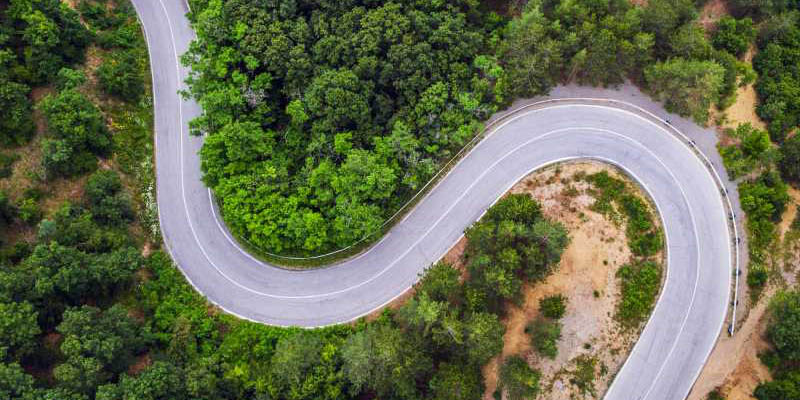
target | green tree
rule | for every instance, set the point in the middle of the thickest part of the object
(121, 74)
(18, 329)
(452, 381)
(734, 36)
(108, 203)
(160, 381)
(16, 121)
(79, 133)
(686, 87)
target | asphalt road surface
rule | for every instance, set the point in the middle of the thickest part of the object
(675, 342)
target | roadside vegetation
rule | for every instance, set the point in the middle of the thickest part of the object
(641, 277)
(299, 171)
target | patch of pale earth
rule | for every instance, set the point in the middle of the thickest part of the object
(588, 266)
(712, 11)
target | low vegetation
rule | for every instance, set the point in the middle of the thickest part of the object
(784, 336)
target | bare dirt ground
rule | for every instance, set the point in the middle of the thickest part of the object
(586, 275)
(712, 11)
(734, 366)
(744, 109)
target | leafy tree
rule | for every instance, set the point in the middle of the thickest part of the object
(734, 36)
(108, 203)
(382, 359)
(304, 367)
(121, 74)
(686, 87)
(441, 283)
(484, 337)
(78, 130)
(160, 381)
(14, 382)
(16, 121)
(18, 329)
(512, 241)
(452, 381)
(518, 380)
(779, 48)
(790, 159)
(753, 152)
(97, 345)
(782, 327)
(49, 34)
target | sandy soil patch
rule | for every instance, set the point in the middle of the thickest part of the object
(712, 11)
(586, 275)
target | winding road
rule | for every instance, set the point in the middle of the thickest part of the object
(681, 331)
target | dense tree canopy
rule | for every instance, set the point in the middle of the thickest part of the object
(342, 111)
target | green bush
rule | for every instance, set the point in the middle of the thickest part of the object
(545, 335)
(640, 284)
(553, 307)
(518, 380)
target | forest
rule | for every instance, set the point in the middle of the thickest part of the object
(322, 118)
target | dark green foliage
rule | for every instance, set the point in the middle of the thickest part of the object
(43, 36)
(454, 382)
(441, 283)
(686, 87)
(78, 134)
(715, 395)
(518, 380)
(159, 381)
(97, 345)
(734, 35)
(782, 329)
(121, 74)
(7, 161)
(763, 200)
(545, 335)
(640, 284)
(18, 330)
(352, 108)
(779, 74)
(783, 334)
(384, 360)
(553, 307)
(512, 242)
(790, 159)
(16, 121)
(754, 152)
(108, 203)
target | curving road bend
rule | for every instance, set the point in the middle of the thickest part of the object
(681, 331)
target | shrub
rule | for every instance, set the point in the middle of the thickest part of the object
(640, 284)
(518, 380)
(544, 336)
(553, 306)
(121, 74)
